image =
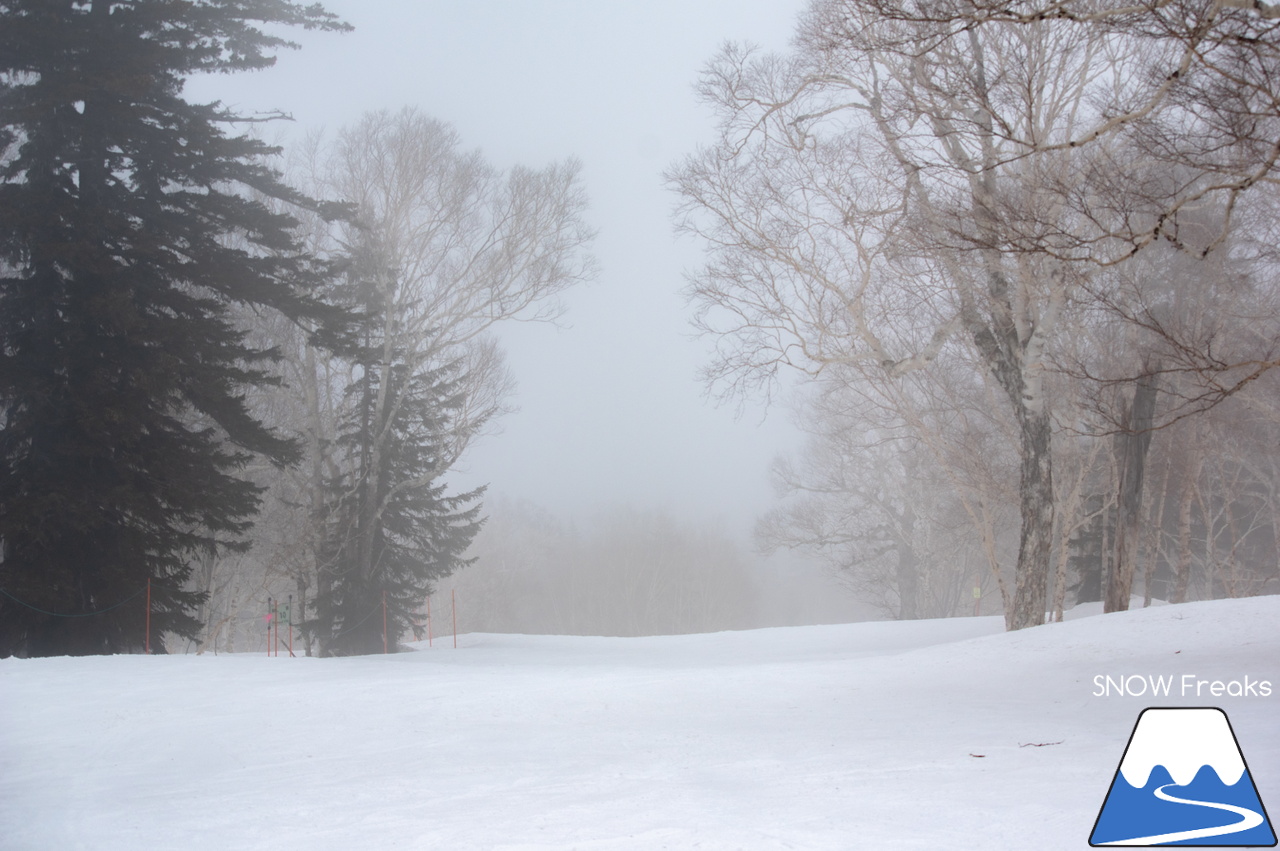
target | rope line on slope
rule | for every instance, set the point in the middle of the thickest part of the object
(129, 599)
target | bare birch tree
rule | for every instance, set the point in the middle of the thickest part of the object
(469, 245)
(442, 247)
(867, 205)
(447, 246)
(1189, 120)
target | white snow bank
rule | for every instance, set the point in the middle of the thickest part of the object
(933, 734)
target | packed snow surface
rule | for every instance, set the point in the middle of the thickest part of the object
(930, 735)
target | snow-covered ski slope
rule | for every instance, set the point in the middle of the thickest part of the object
(873, 735)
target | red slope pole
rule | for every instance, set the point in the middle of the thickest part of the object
(148, 638)
(384, 621)
(290, 626)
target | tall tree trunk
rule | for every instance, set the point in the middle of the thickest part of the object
(1152, 545)
(1035, 491)
(1182, 574)
(1016, 365)
(1064, 556)
(315, 433)
(908, 585)
(1131, 451)
(908, 570)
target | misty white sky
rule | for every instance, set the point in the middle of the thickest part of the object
(611, 410)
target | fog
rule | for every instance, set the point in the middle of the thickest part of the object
(900, 473)
(611, 416)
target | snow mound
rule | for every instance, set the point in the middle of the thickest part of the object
(927, 734)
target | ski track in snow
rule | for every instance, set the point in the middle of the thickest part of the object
(823, 738)
(1248, 820)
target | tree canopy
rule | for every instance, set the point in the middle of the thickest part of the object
(131, 226)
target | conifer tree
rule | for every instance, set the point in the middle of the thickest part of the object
(128, 236)
(391, 528)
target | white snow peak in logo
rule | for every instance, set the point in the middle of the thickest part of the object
(1183, 781)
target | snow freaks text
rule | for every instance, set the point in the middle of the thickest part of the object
(1186, 685)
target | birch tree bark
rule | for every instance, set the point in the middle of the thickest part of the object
(1131, 456)
(866, 206)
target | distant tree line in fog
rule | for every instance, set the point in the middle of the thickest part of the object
(632, 572)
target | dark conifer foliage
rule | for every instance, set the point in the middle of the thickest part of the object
(391, 526)
(128, 234)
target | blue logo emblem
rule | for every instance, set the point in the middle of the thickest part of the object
(1182, 781)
